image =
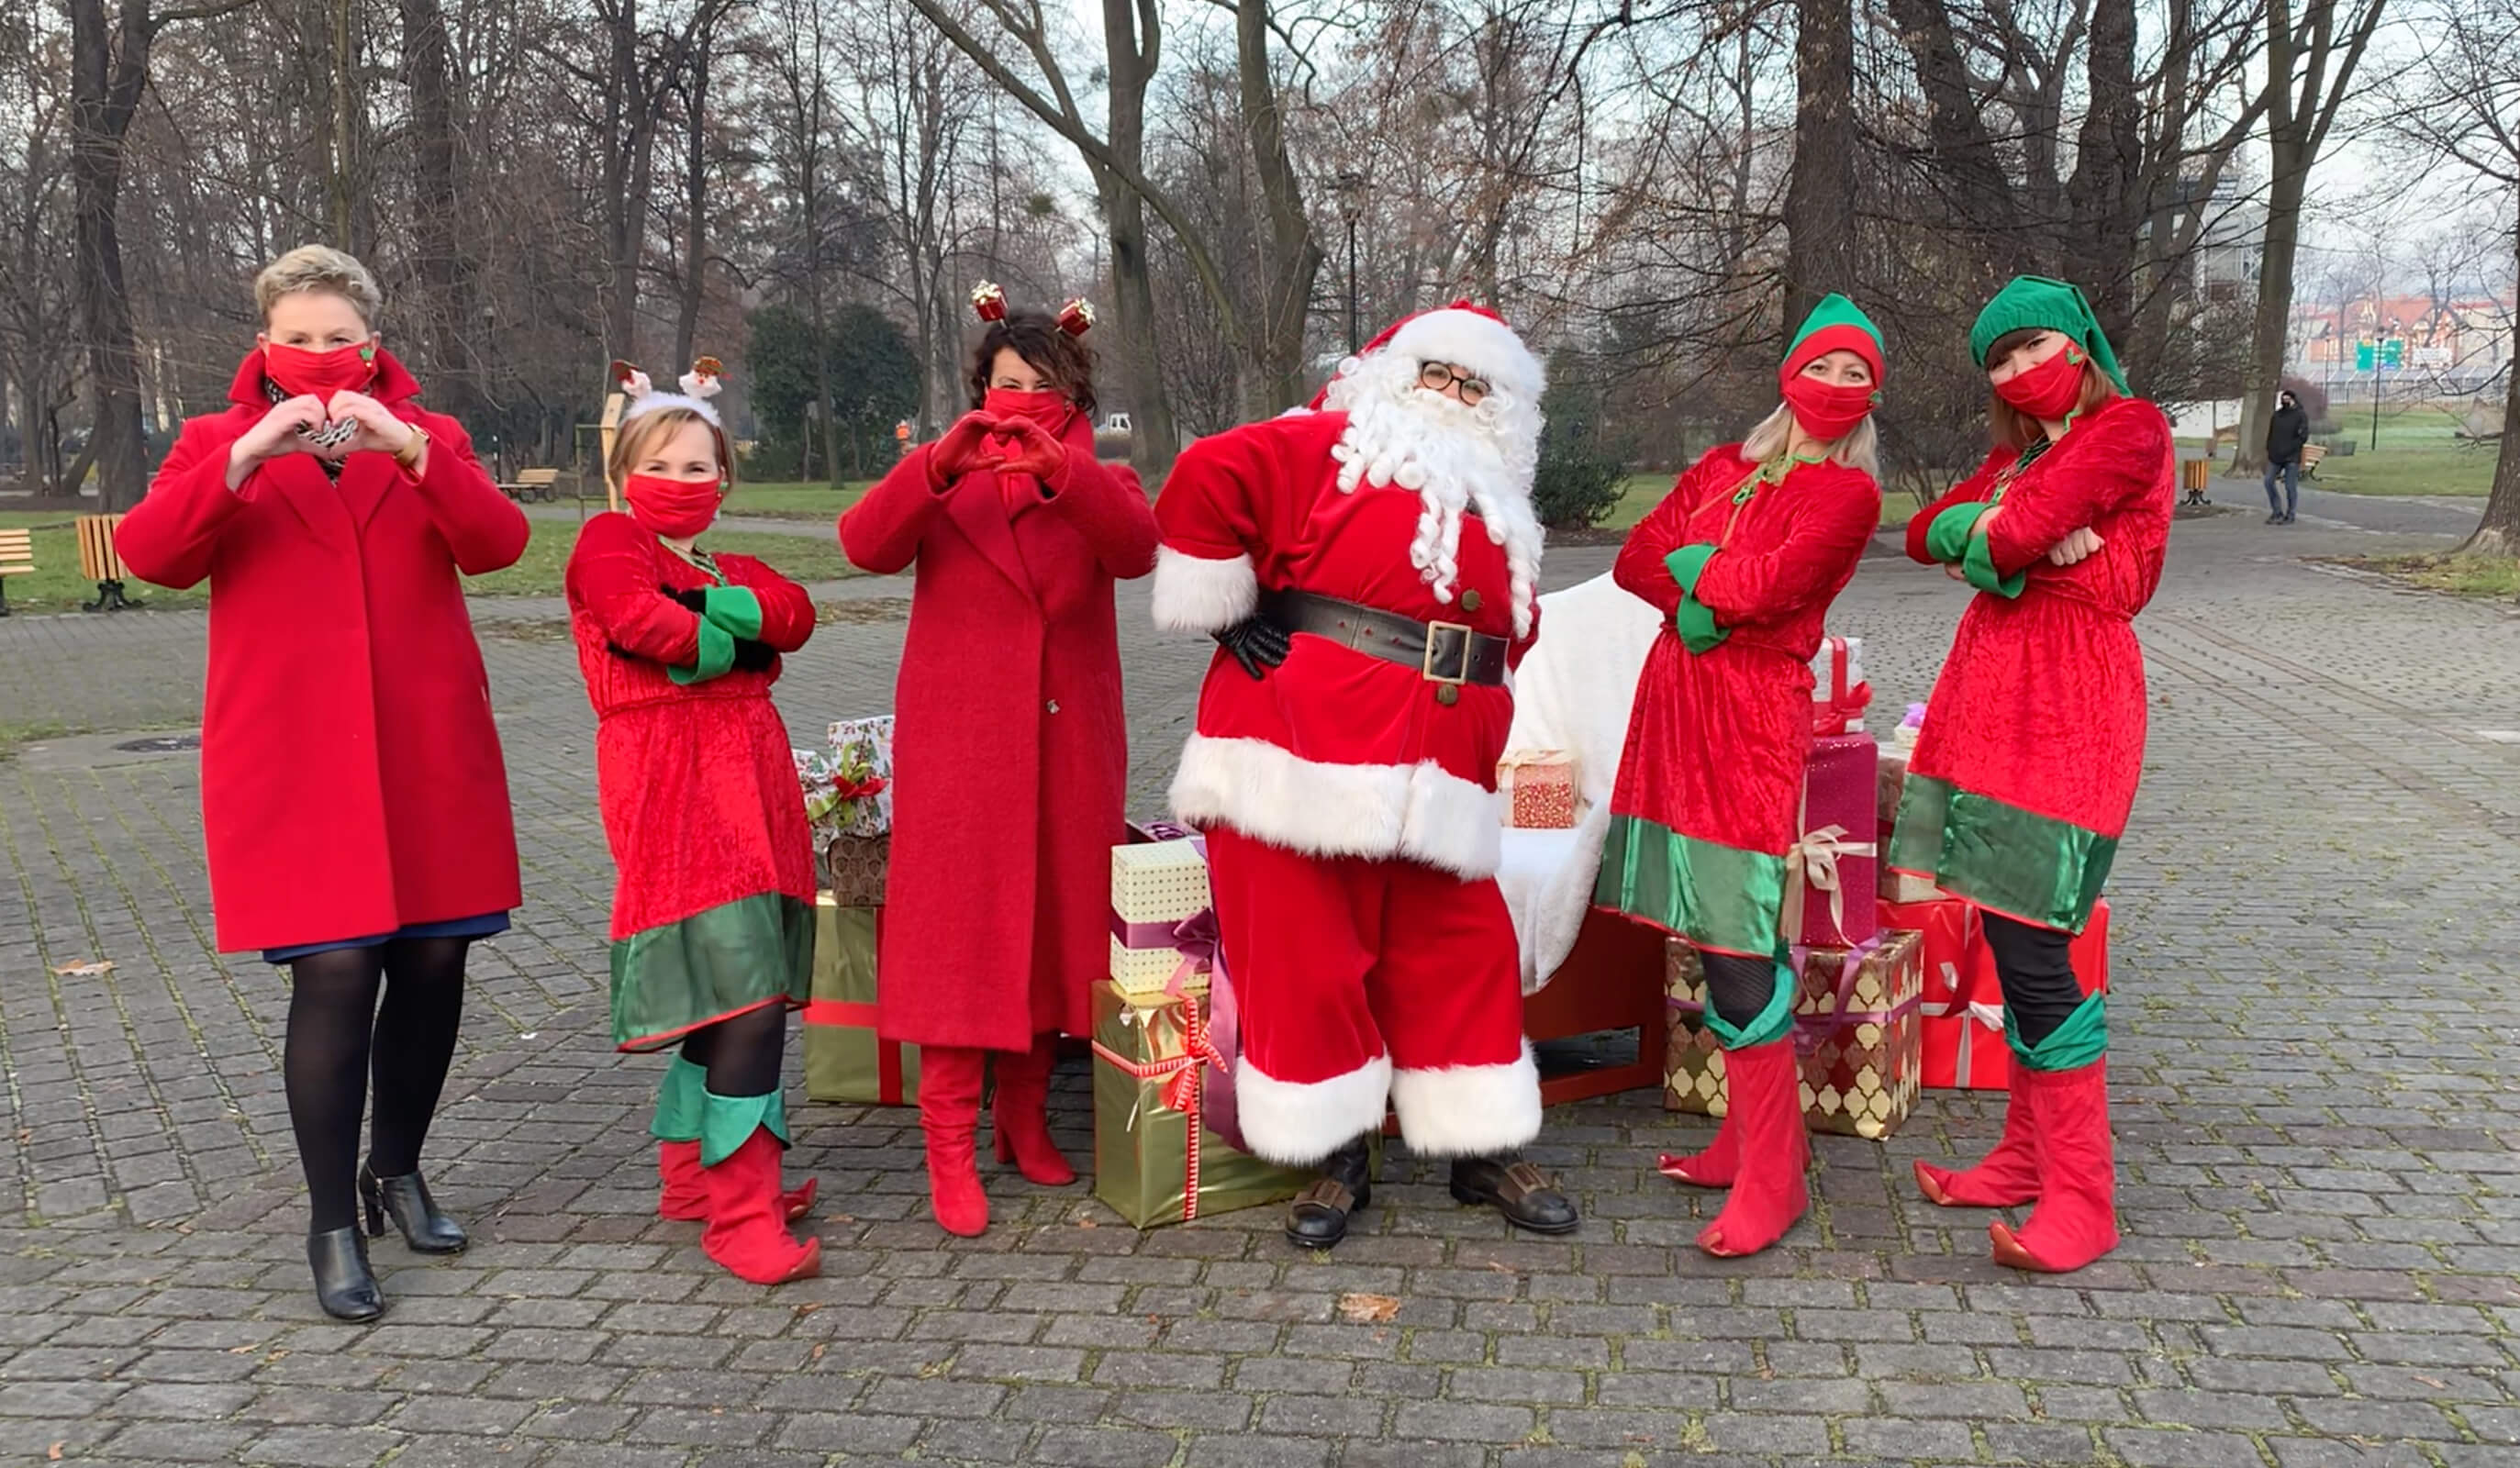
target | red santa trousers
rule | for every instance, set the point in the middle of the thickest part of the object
(1363, 980)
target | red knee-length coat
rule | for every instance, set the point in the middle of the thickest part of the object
(1010, 746)
(351, 778)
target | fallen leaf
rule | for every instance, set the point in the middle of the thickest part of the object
(1368, 1310)
(817, 1353)
(54, 1453)
(84, 971)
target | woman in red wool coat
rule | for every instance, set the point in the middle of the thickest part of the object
(713, 906)
(1744, 556)
(354, 804)
(2021, 781)
(1010, 743)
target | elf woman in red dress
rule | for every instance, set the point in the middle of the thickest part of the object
(354, 806)
(713, 908)
(2020, 784)
(1010, 752)
(1744, 556)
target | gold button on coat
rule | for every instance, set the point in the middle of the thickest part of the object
(1447, 694)
(1471, 599)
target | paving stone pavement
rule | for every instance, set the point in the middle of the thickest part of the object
(2316, 1000)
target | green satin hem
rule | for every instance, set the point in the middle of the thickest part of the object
(1714, 896)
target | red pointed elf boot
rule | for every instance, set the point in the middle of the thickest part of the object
(1716, 1166)
(949, 1113)
(1021, 1119)
(1768, 1192)
(744, 1232)
(683, 1191)
(2007, 1177)
(2075, 1221)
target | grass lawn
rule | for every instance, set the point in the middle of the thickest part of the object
(1641, 493)
(792, 501)
(2486, 577)
(2417, 456)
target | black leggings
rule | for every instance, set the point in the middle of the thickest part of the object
(2037, 970)
(742, 1054)
(1738, 989)
(341, 1041)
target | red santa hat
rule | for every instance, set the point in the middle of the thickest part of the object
(1465, 334)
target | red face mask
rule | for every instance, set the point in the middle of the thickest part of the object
(672, 509)
(298, 372)
(1829, 411)
(1051, 410)
(2048, 391)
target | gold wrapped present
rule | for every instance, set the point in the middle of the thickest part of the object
(1857, 1031)
(1154, 1162)
(1539, 790)
(844, 1062)
(1156, 887)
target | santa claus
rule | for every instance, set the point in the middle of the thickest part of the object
(1369, 570)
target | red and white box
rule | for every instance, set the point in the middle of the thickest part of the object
(1539, 790)
(1964, 1043)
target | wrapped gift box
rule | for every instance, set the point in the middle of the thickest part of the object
(1839, 692)
(853, 867)
(1154, 1160)
(1963, 1009)
(1831, 874)
(1539, 790)
(1157, 888)
(844, 1062)
(1856, 1032)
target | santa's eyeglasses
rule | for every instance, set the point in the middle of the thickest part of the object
(1436, 377)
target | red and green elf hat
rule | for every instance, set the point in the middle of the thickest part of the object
(1836, 324)
(2035, 300)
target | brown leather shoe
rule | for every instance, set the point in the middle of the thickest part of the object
(1518, 1189)
(1318, 1218)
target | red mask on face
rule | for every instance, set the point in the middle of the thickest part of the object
(2048, 391)
(298, 372)
(1829, 411)
(1051, 410)
(672, 509)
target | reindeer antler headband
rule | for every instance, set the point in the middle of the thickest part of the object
(699, 385)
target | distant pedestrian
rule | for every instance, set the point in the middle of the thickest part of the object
(2286, 435)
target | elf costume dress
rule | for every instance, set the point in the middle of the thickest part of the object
(2021, 781)
(1743, 558)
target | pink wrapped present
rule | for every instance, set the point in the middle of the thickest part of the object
(1539, 790)
(1832, 873)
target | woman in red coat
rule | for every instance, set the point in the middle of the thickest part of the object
(354, 804)
(713, 899)
(1010, 752)
(2021, 781)
(1744, 556)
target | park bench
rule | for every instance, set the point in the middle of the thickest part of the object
(533, 484)
(16, 558)
(99, 563)
(2193, 476)
(2311, 454)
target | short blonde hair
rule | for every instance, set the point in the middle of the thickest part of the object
(1861, 448)
(633, 442)
(320, 267)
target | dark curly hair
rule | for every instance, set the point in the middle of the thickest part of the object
(1066, 361)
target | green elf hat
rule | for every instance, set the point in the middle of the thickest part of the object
(2033, 300)
(1836, 324)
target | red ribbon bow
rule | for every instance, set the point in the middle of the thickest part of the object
(860, 788)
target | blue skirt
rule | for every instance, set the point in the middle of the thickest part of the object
(481, 926)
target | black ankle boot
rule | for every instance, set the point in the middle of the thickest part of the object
(1318, 1218)
(424, 1229)
(344, 1284)
(1517, 1188)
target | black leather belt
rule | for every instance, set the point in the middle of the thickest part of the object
(1444, 652)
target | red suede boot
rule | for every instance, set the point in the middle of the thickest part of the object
(2007, 1177)
(949, 1113)
(2075, 1221)
(744, 1232)
(1021, 1119)
(684, 1194)
(1716, 1166)
(1768, 1190)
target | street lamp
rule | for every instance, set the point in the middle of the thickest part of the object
(1350, 188)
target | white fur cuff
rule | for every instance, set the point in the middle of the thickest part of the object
(1468, 1110)
(1298, 1123)
(1195, 594)
(1420, 812)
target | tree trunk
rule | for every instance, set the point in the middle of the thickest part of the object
(625, 200)
(1819, 193)
(2498, 533)
(1152, 437)
(344, 136)
(2274, 322)
(109, 66)
(454, 387)
(2102, 199)
(1295, 258)
(694, 197)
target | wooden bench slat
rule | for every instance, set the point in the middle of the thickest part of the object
(97, 560)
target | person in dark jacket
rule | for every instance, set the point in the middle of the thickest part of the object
(2287, 435)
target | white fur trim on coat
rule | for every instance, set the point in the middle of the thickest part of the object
(1421, 812)
(1298, 1123)
(1482, 343)
(1468, 1110)
(1195, 594)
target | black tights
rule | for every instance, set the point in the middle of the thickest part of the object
(1737, 988)
(337, 1031)
(2035, 968)
(742, 1054)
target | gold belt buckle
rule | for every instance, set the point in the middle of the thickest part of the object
(1426, 661)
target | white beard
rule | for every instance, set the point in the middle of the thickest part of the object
(1456, 457)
